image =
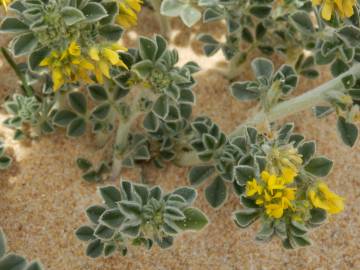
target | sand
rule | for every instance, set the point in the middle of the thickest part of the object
(42, 196)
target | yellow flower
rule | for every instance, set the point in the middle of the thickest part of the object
(5, 3)
(345, 8)
(68, 66)
(272, 193)
(252, 188)
(104, 57)
(128, 10)
(288, 174)
(322, 197)
(284, 160)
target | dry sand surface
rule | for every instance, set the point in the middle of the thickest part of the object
(42, 197)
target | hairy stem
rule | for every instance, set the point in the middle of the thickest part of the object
(24, 85)
(300, 103)
(163, 20)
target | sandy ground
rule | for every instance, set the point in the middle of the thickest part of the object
(42, 196)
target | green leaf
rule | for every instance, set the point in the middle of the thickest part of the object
(2, 243)
(36, 57)
(130, 208)
(5, 162)
(245, 217)
(24, 44)
(260, 11)
(85, 233)
(102, 111)
(302, 22)
(72, 15)
(147, 48)
(95, 249)
(111, 195)
(173, 213)
(338, 67)
(189, 194)
(301, 241)
(112, 218)
(216, 192)
(244, 173)
(111, 32)
(78, 102)
(161, 107)
(318, 216)
(348, 131)
(104, 232)
(12, 262)
(262, 67)
(109, 249)
(35, 265)
(13, 25)
(94, 12)
(151, 122)
(63, 118)
(77, 127)
(195, 220)
(171, 8)
(350, 34)
(97, 92)
(143, 68)
(319, 166)
(94, 212)
(241, 91)
(190, 15)
(307, 150)
(199, 174)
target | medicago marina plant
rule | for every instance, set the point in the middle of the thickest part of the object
(76, 74)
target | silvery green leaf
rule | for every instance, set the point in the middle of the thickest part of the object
(109, 249)
(151, 122)
(143, 68)
(111, 32)
(111, 195)
(348, 131)
(319, 166)
(260, 11)
(190, 15)
(241, 91)
(172, 8)
(262, 68)
(195, 220)
(199, 174)
(78, 102)
(350, 34)
(94, 212)
(298, 229)
(95, 248)
(318, 216)
(244, 173)
(77, 127)
(85, 233)
(147, 48)
(130, 208)
(13, 25)
(5, 162)
(97, 92)
(72, 15)
(94, 12)
(161, 107)
(302, 22)
(245, 217)
(12, 262)
(104, 232)
(173, 213)
(35, 265)
(113, 218)
(216, 193)
(322, 111)
(189, 194)
(307, 150)
(63, 118)
(131, 230)
(24, 44)
(143, 192)
(102, 111)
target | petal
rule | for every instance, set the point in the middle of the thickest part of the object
(111, 55)
(327, 9)
(74, 49)
(94, 54)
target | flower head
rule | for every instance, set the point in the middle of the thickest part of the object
(272, 192)
(322, 197)
(128, 11)
(345, 8)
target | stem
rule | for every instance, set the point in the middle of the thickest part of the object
(163, 20)
(25, 86)
(300, 103)
(234, 65)
(121, 141)
(282, 110)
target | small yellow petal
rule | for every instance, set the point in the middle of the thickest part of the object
(94, 54)
(74, 49)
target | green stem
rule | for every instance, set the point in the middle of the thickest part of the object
(164, 21)
(25, 86)
(300, 103)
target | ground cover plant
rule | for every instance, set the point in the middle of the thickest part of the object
(75, 75)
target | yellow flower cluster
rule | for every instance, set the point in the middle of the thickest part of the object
(74, 65)
(345, 8)
(128, 10)
(273, 192)
(322, 197)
